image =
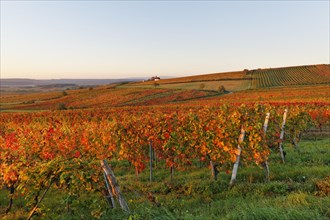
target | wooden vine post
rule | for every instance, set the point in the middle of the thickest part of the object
(113, 185)
(172, 172)
(265, 163)
(39, 201)
(155, 158)
(296, 140)
(109, 198)
(151, 158)
(234, 172)
(214, 170)
(295, 143)
(282, 135)
(11, 191)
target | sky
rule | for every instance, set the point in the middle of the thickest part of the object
(119, 39)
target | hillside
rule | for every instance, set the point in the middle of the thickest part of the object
(239, 75)
(61, 82)
(107, 97)
(248, 79)
(287, 76)
(172, 150)
(288, 84)
(232, 81)
(98, 97)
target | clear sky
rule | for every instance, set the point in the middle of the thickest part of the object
(112, 39)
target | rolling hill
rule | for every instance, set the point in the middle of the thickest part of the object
(288, 76)
(307, 83)
(249, 79)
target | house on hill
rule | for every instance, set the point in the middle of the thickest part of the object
(154, 78)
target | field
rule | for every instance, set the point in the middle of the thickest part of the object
(301, 75)
(250, 79)
(194, 136)
(231, 85)
(240, 75)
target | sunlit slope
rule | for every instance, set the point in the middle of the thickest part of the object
(318, 93)
(99, 97)
(288, 76)
(231, 85)
(238, 75)
(289, 84)
(247, 79)
(231, 81)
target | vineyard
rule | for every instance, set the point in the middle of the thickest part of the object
(249, 79)
(177, 153)
(210, 85)
(301, 75)
(238, 75)
(40, 150)
(276, 95)
(100, 97)
(105, 97)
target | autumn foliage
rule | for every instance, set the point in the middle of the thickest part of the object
(63, 147)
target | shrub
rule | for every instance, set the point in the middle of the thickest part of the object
(221, 89)
(323, 186)
(62, 106)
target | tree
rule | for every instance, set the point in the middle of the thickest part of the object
(221, 89)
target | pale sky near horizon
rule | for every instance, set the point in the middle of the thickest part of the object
(118, 39)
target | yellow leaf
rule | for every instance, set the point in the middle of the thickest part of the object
(233, 158)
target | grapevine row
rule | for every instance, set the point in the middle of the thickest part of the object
(63, 148)
(302, 75)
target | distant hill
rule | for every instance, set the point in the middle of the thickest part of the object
(62, 82)
(231, 81)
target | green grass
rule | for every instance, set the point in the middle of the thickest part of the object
(299, 189)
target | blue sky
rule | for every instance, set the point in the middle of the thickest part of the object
(112, 39)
